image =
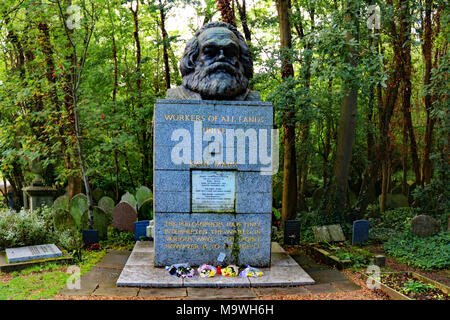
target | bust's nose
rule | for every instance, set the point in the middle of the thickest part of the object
(221, 55)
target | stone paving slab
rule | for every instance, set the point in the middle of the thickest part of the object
(147, 276)
(111, 290)
(139, 271)
(163, 292)
(322, 288)
(327, 275)
(220, 293)
(271, 291)
(114, 259)
(346, 285)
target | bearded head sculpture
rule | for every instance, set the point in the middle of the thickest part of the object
(216, 65)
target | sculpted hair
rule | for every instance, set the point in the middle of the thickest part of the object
(188, 61)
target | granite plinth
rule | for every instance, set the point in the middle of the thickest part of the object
(138, 272)
(197, 217)
(199, 238)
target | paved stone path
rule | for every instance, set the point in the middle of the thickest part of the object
(101, 281)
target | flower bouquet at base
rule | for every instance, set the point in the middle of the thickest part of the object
(230, 271)
(250, 272)
(206, 271)
(182, 270)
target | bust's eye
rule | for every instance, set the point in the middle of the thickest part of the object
(210, 51)
(230, 51)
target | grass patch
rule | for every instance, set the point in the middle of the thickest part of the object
(45, 281)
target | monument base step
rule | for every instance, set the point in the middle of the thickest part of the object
(139, 271)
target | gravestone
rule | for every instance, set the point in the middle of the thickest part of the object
(107, 204)
(78, 206)
(143, 194)
(329, 233)
(101, 222)
(146, 210)
(128, 197)
(97, 194)
(424, 226)
(62, 220)
(38, 252)
(291, 232)
(124, 215)
(360, 231)
(140, 229)
(336, 233)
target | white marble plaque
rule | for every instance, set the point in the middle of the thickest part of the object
(213, 191)
(43, 251)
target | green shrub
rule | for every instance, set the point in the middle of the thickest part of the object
(425, 253)
(390, 223)
(26, 228)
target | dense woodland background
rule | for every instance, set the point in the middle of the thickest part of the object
(360, 90)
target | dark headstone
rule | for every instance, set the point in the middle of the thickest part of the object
(124, 215)
(146, 210)
(424, 226)
(291, 232)
(140, 230)
(101, 222)
(379, 260)
(97, 194)
(90, 237)
(360, 231)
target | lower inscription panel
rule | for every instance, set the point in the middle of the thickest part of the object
(201, 238)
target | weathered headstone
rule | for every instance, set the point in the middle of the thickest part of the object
(78, 205)
(291, 232)
(97, 194)
(124, 215)
(38, 252)
(146, 210)
(329, 233)
(128, 197)
(336, 232)
(107, 204)
(63, 220)
(101, 222)
(360, 231)
(321, 233)
(143, 194)
(424, 226)
(61, 203)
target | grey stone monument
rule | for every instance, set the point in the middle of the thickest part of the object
(213, 158)
(37, 195)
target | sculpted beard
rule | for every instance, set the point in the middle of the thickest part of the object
(219, 80)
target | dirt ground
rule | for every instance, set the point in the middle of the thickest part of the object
(442, 276)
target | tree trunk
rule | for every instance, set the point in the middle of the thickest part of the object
(427, 50)
(165, 44)
(243, 16)
(289, 199)
(226, 11)
(347, 122)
